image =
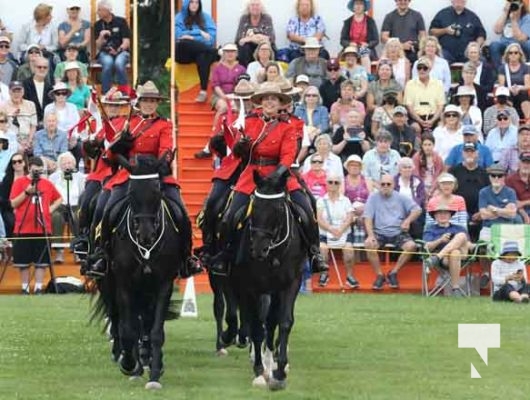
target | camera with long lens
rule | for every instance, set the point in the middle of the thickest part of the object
(35, 176)
(515, 5)
(68, 174)
(457, 28)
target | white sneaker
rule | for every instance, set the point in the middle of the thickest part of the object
(59, 257)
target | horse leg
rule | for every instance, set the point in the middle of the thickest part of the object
(256, 335)
(144, 351)
(229, 335)
(271, 323)
(218, 312)
(129, 332)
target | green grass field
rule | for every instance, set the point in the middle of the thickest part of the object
(342, 347)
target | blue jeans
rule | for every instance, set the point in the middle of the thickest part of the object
(497, 50)
(110, 64)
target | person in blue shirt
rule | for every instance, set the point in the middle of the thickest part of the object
(195, 35)
(455, 26)
(456, 155)
(503, 137)
(447, 243)
(49, 142)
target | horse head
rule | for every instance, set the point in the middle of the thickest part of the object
(269, 215)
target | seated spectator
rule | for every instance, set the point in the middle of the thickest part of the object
(332, 164)
(400, 64)
(263, 56)
(346, 103)
(519, 181)
(272, 72)
(407, 26)
(8, 68)
(424, 97)
(27, 70)
(37, 88)
(255, 27)
(335, 218)
(411, 186)
(514, 27)
(67, 114)
(356, 189)
(383, 114)
(74, 33)
(41, 30)
(447, 243)
(503, 137)
(49, 143)
(445, 194)
(471, 178)
(315, 178)
(380, 160)
(471, 114)
(510, 158)
(501, 103)
(22, 116)
(384, 81)
(457, 153)
(17, 167)
(387, 217)
(70, 54)
(310, 63)
(351, 138)
(449, 133)
(430, 48)
(11, 135)
(113, 42)
(70, 184)
(307, 27)
(79, 91)
(330, 88)
(456, 26)
(428, 164)
(480, 97)
(360, 30)
(515, 75)
(301, 82)
(355, 72)
(507, 275)
(404, 139)
(4, 94)
(195, 36)
(486, 74)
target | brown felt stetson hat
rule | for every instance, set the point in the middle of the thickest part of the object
(270, 88)
(149, 91)
(243, 90)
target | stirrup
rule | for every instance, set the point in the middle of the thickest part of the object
(80, 247)
(318, 265)
(192, 266)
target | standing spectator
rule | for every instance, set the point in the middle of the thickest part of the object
(508, 277)
(310, 63)
(17, 167)
(330, 88)
(50, 142)
(74, 32)
(456, 26)
(360, 30)
(36, 89)
(70, 54)
(428, 164)
(520, 182)
(304, 28)
(79, 91)
(471, 135)
(502, 96)
(113, 41)
(8, 68)
(263, 55)
(404, 139)
(355, 72)
(195, 35)
(384, 82)
(515, 75)
(400, 64)
(503, 137)
(255, 27)
(486, 75)
(22, 116)
(24, 193)
(471, 178)
(380, 160)
(344, 104)
(449, 133)
(471, 114)
(27, 70)
(510, 158)
(407, 26)
(387, 217)
(431, 49)
(67, 114)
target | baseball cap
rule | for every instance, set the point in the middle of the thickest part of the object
(302, 78)
(424, 61)
(503, 113)
(446, 177)
(16, 84)
(470, 147)
(502, 91)
(399, 110)
(4, 39)
(469, 130)
(333, 63)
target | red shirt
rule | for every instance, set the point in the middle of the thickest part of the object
(316, 183)
(522, 189)
(25, 218)
(359, 31)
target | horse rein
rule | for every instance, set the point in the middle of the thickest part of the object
(277, 196)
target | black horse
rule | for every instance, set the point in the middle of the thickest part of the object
(145, 258)
(267, 274)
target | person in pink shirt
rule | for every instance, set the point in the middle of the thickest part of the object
(315, 178)
(347, 102)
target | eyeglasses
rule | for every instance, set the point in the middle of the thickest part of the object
(451, 115)
(4, 46)
(502, 118)
(498, 176)
(422, 68)
(311, 95)
(317, 161)
(18, 161)
(333, 69)
(41, 67)
(61, 93)
(333, 182)
(385, 184)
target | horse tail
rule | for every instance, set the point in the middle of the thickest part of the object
(104, 306)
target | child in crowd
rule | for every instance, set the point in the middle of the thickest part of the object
(508, 275)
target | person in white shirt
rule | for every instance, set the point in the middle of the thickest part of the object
(449, 133)
(509, 276)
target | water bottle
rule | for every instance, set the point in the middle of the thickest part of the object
(81, 166)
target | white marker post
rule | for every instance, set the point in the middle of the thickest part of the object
(479, 337)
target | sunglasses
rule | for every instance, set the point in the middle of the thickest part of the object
(18, 161)
(333, 69)
(451, 115)
(333, 182)
(498, 176)
(502, 118)
(385, 184)
(61, 93)
(316, 161)
(4, 46)
(422, 68)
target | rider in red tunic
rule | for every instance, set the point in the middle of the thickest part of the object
(270, 146)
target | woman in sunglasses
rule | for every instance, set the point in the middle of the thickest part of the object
(449, 133)
(515, 75)
(67, 114)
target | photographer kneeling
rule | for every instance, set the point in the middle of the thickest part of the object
(33, 198)
(70, 184)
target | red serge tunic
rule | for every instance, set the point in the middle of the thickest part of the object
(230, 163)
(269, 141)
(153, 138)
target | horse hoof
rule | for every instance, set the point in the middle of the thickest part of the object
(259, 382)
(275, 384)
(134, 378)
(153, 385)
(222, 352)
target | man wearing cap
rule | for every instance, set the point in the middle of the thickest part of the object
(424, 97)
(36, 89)
(502, 97)
(330, 88)
(503, 137)
(113, 40)
(407, 25)
(304, 27)
(74, 32)
(510, 158)
(309, 64)
(520, 182)
(71, 52)
(447, 243)
(27, 70)
(8, 68)
(470, 178)
(455, 26)
(381, 160)
(404, 139)
(456, 155)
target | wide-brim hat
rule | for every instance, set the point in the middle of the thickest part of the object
(267, 89)
(70, 65)
(243, 90)
(229, 47)
(311, 43)
(350, 50)
(446, 177)
(149, 91)
(366, 5)
(115, 97)
(464, 91)
(352, 158)
(59, 86)
(441, 207)
(451, 108)
(287, 87)
(510, 247)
